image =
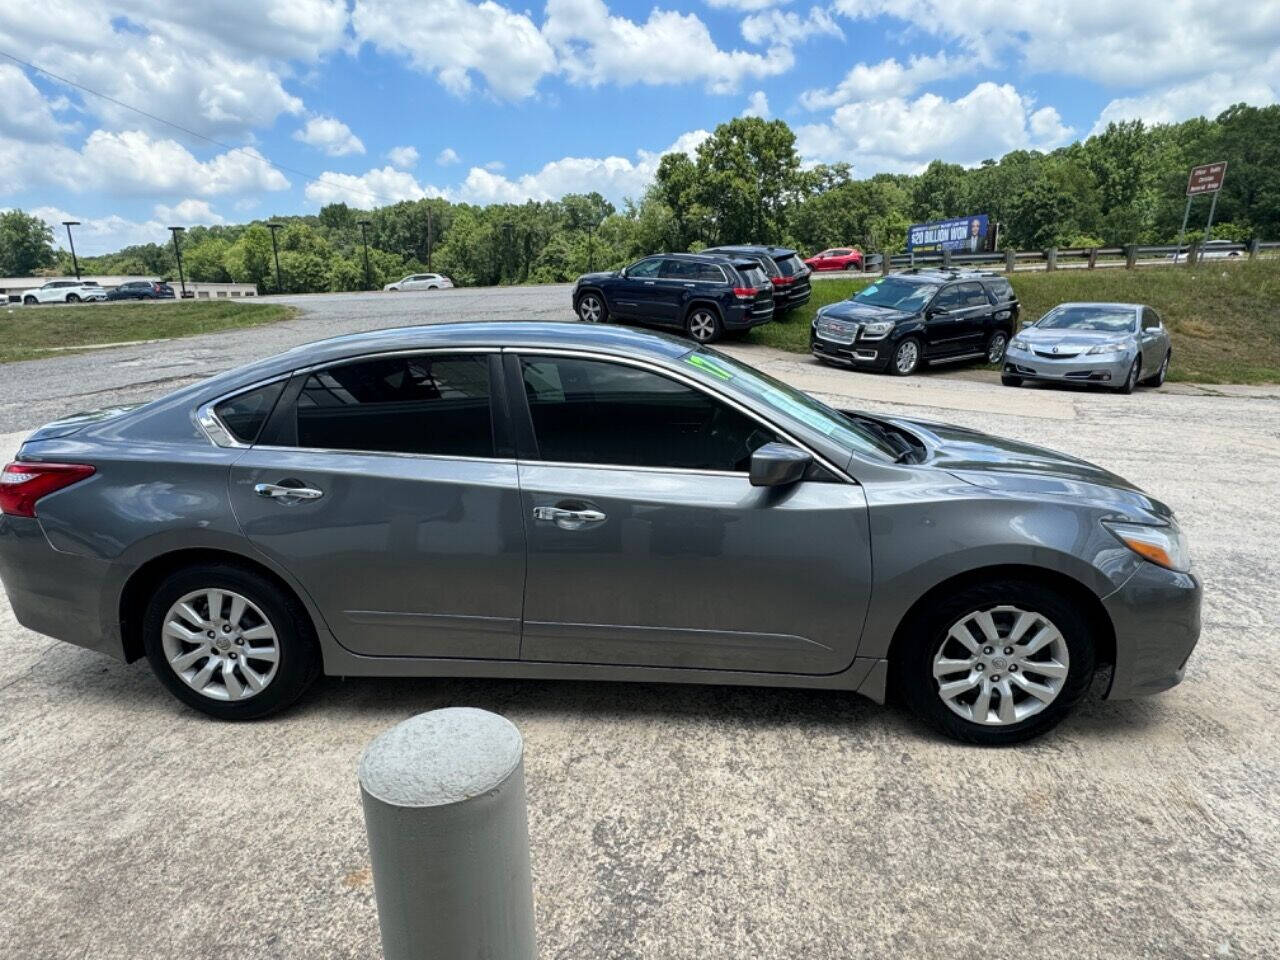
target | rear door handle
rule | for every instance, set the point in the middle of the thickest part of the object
(649, 283)
(287, 492)
(568, 519)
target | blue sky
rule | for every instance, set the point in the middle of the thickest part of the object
(380, 100)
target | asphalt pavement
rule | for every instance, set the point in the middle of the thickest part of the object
(683, 821)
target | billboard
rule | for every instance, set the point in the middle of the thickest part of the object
(960, 235)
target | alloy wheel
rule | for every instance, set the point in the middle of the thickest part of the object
(906, 357)
(995, 350)
(220, 644)
(999, 666)
(590, 309)
(702, 326)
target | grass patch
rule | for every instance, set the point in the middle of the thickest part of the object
(1224, 318)
(45, 331)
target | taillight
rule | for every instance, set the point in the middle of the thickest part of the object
(22, 484)
(744, 293)
(782, 281)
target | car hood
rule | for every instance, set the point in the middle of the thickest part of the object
(602, 275)
(1011, 466)
(1085, 338)
(862, 312)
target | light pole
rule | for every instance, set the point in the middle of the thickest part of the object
(591, 248)
(428, 238)
(69, 224)
(364, 239)
(273, 227)
(177, 252)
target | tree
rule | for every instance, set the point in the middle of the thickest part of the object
(26, 244)
(205, 260)
(250, 259)
(748, 178)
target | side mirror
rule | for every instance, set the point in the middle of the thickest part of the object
(778, 465)
(623, 273)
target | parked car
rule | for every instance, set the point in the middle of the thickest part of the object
(903, 320)
(704, 295)
(64, 291)
(1220, 249)
(142, 290)
(1112, 344)
(784, 268)
(421, 281)
(552, 500)
(837, 258)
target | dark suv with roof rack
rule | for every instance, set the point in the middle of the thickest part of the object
(784, 268)
(903, 320)
(702, 294)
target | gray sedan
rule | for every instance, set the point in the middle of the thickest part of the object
(571, 501)
(1118, 345)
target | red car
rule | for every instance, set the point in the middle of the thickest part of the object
(838, 258)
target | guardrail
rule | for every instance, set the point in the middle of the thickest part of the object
(1076, 258)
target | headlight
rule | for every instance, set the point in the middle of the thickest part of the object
(1165, 546)
(1108, 348)
(1020, 343)
(874, 331)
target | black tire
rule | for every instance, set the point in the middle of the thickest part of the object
(900, 354)
(1132, 377)
(433, 287)
(1158, 379)
(997, 343)
(72, 298)
(703, 324)
(923, 637)
(1009, 381)
(299, 653)
(591, 308)
(30, 301)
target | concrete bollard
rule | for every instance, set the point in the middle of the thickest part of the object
(1009, 261)
(444, 808)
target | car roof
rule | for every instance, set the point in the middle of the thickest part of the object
(756, 248)
(1100, 303)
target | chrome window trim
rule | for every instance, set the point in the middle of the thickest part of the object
(687, 381)
(211, 424)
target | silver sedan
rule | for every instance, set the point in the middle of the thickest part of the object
(1118, 345)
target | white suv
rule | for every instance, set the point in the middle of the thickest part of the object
(421, 281)
(65, 291)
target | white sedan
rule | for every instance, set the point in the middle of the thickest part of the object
(65, 291)
(421, 281)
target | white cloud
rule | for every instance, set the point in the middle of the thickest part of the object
(669, 48)
(330, 135)
(900, 134)
(453, 39)
(497, 166)
(447, 157)
(888, 78)
(757, 106)
(98, 235)
(788, 27)
(745, 5)
(371, 189)
(406, 158)
(188, 213)
(135, 164)
(26, 114)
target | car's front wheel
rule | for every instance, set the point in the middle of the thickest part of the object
(996, 346)
(906, 358)
(1159, 378)
(229, 642)
(591, 308)
(996, 664)
(1009, 381)
(1132, 377)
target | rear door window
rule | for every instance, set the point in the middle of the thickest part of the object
(420, 404)
(710, 273)
(972, 295)
(790, 265)
(679, 270)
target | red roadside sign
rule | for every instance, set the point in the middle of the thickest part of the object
(1206, 178)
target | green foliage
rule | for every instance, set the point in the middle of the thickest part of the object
(26, 244)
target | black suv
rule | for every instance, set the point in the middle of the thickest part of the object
(704, 295)
(922, 316)
(784, 268)
(141, 290)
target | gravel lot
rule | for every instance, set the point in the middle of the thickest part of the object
(684, 822)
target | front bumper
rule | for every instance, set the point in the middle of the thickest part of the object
(58, 594)
(1103, 368)
(1156, 616)
(866, 354)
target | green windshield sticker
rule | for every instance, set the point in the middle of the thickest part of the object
(708, 365)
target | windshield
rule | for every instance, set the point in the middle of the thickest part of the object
(896, 294)
(1102, 319)
(778, 397)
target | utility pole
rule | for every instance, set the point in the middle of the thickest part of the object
(177, 252)
(273, 227)
(69, 224)
(428, 238)
(364, 239)
(591, 248)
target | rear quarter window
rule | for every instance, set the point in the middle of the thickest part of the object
(245, 413)
(790, 265)
(1001, 290)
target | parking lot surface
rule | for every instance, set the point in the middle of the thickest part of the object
(683, 821)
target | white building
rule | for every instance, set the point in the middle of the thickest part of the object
(12, 288)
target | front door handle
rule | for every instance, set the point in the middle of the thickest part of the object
(568, 519)
(287, 492)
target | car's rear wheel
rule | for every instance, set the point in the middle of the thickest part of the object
(996, 664)
(906, 358)
(1131, 378)
(996, 346)
(1158, 379)
(591, 308)
(1009, 381)
(72, 298)
(229, 642)
(703, 325)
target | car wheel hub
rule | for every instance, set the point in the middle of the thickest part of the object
(702, 326)
(1000, 666)
(220, 644)
(907, 356)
